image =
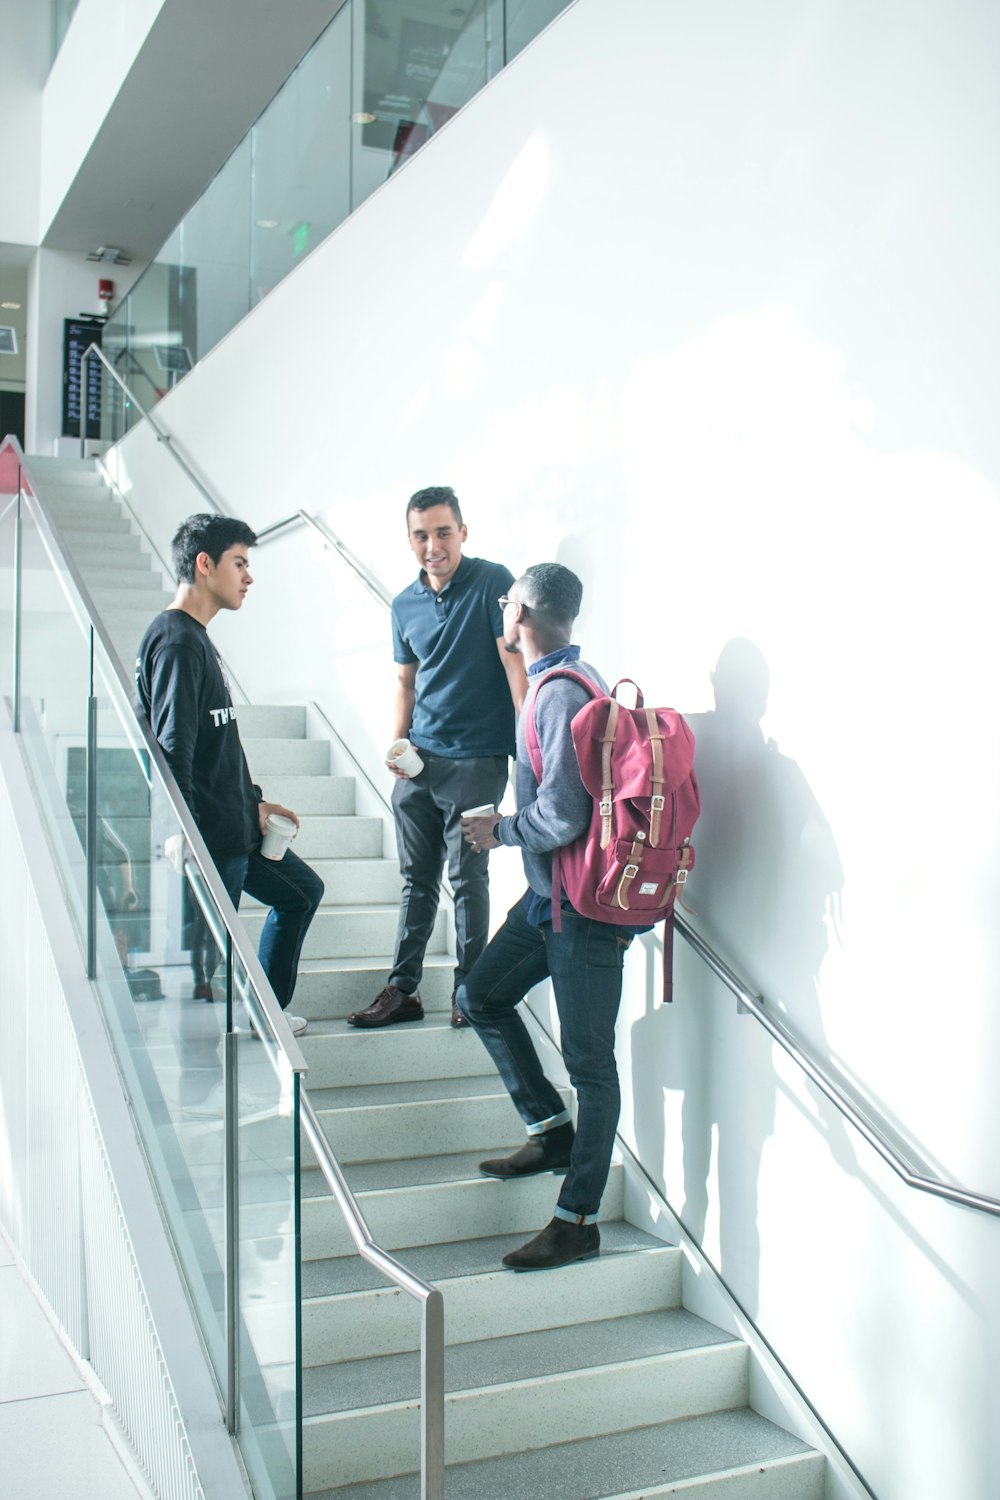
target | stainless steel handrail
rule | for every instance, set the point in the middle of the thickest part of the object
(371, 583)
(429, 1297)
(161, 436)
(868, 1123)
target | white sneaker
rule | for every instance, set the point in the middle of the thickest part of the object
(297, 1023)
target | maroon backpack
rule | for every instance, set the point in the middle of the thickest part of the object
(629, 864)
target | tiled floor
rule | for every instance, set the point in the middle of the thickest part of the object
(53, 1442)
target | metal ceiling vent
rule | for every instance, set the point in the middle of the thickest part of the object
(8, 340)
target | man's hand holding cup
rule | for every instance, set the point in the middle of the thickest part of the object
(478, 824)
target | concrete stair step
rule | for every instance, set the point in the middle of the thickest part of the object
(330, 989)
(272, 721)
(429, 1213)
(138, 601)
(509, 1395)
(726, 1455)
(102, 518)
(317, 799)
(341, 1055)
(138, 574)
(391, 1123)
(349, 931)
(354, 882)
(75, 471)
(84, 544)
(348, 1307)
(289, 757)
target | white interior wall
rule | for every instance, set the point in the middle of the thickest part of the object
(61, 284)
(701, 304)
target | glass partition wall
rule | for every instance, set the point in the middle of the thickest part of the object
(215, 1098)
(382, 78)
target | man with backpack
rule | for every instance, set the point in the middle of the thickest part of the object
(581, 955)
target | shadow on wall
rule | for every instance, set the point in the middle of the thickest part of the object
(766, 889)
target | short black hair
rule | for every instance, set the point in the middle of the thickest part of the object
(553, 591)
(209, 533)
(435, 494)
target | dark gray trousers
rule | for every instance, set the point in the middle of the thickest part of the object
(428, 812)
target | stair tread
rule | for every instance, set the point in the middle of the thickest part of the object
(420, 1171)
(375, 1095)
(600, 1468)
(386, 1379)
(341, 1275)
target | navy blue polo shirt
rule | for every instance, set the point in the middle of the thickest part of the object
(463, 705)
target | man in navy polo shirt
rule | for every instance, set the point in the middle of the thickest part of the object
(457, 692)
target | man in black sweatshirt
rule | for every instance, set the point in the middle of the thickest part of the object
(184, 691)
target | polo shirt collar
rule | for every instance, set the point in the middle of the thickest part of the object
(460, 575)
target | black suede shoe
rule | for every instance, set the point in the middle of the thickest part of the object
(548, 1152)
(559, 1244)
(389, 1007)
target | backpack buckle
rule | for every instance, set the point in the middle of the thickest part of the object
(631, 871)
(605, 808)
(658, 803)
(681, 877)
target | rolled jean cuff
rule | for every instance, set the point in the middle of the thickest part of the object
(570, 1218)
(562, 1118)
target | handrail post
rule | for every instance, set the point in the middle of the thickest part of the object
(432, 1397)
(232, 1292)
(83, 400)
(17, 608)
(91, 821)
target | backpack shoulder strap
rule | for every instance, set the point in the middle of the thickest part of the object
(531, 744)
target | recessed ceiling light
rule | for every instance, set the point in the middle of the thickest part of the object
(11, 306)
(267, 223)
(363, 117)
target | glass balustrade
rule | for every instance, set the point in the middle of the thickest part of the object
(374, 88)
(214, 1097)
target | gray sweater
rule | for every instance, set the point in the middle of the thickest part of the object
(555, 811)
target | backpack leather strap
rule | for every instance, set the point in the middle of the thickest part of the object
(607, 777)
(656, 804)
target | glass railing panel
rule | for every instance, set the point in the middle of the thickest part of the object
(373, 89)
(116, 416)
(214, 270)
(269, 1345)
(170, 1044)
(55, 686)
(302, 161)
(410, 75)
(8, 505)
(524, 19)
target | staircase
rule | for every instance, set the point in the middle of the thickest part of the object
(573, 1385)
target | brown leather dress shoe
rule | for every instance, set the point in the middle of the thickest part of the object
(548, 1152)
(457, 1017)
(388, 1008)
(559, 1244)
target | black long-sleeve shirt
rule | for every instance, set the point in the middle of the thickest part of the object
(184, 692)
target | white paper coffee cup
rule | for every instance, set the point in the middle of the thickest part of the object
(485, 811)
(403, 755)
(279, 834)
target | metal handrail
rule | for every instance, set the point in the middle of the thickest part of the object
(381, 595)
(161, 435)
(429, 1297)
(868, 1123)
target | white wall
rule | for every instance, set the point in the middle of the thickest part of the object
(702, 303)
(61, 284)
(25, 28)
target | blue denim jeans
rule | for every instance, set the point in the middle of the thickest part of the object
(293, 891)
(584, 962)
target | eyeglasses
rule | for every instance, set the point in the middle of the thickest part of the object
(506, 599)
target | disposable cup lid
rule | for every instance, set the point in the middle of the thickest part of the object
(278, 823)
